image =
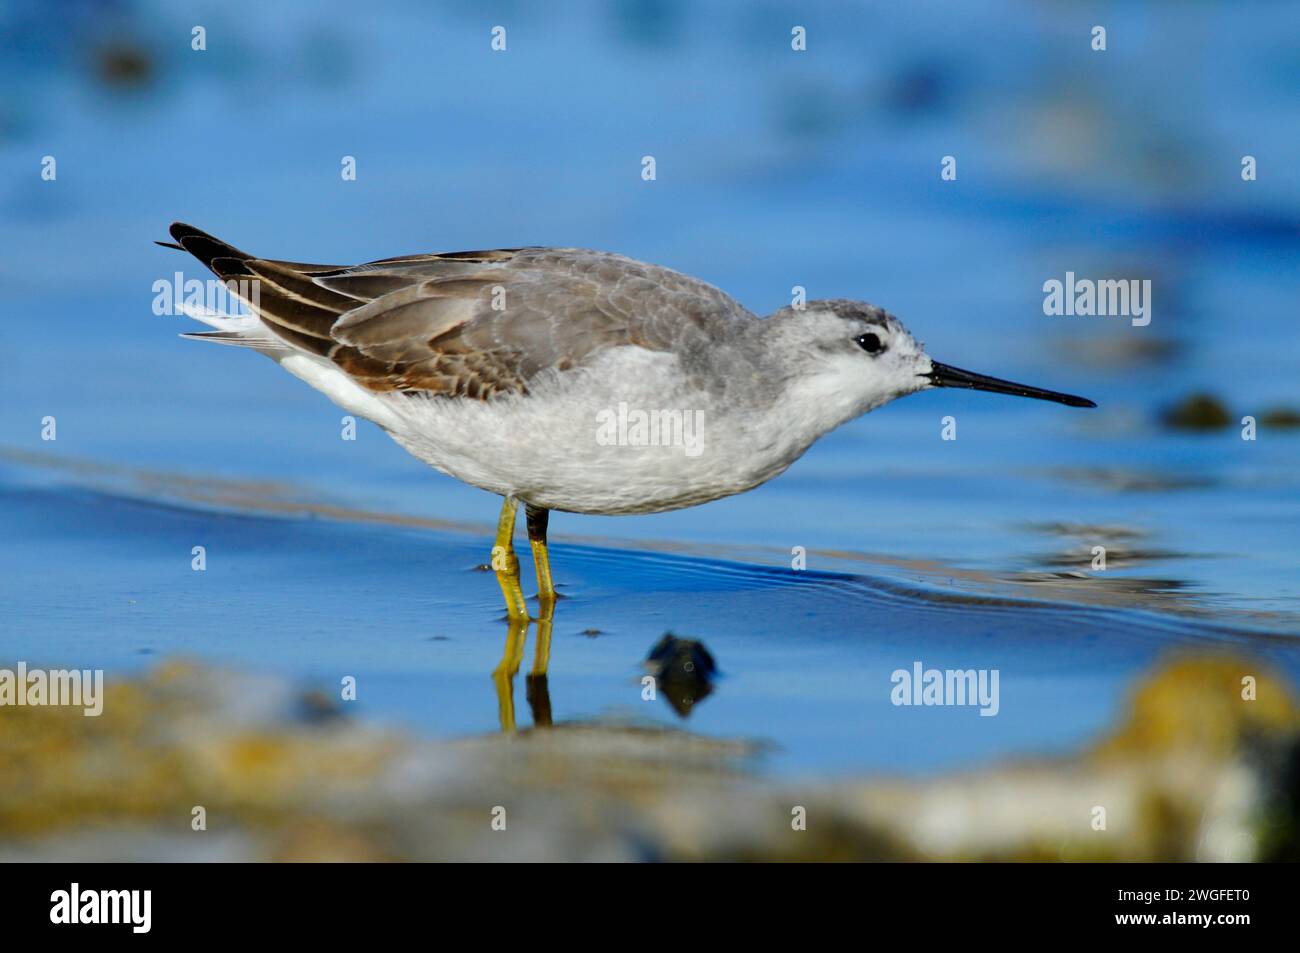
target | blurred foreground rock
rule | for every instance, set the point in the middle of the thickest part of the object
(1192, 772)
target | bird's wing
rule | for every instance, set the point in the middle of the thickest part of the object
(473, 324)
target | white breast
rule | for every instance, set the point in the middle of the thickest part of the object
(625, 434)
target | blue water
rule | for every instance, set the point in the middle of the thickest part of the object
(775, 169)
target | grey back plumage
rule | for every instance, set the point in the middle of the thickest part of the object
(478, 324)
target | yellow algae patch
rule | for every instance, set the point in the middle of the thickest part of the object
(1210, 704)
(281, 775)
(164, 744)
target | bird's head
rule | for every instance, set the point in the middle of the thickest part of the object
(851, 357)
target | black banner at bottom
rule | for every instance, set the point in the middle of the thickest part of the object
(330, 902)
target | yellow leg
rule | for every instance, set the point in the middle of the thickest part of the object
(537, 689)
(538, 519)
(506, 563)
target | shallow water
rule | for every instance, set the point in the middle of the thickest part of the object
(104, 577)
(773, 171)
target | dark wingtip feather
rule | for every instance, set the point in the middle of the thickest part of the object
(170, 245)
(181, 231)
(206, 248)
(227, 267)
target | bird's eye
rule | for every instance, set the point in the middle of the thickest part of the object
(870, 343)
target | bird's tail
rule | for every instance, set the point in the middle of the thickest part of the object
(239, 329)
(290, 307)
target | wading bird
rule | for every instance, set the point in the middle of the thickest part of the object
(508, 368)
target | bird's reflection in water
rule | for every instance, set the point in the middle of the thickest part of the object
(683, 670)
(538, 694)
(535, 687)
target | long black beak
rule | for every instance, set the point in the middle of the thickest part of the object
(944, 375)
